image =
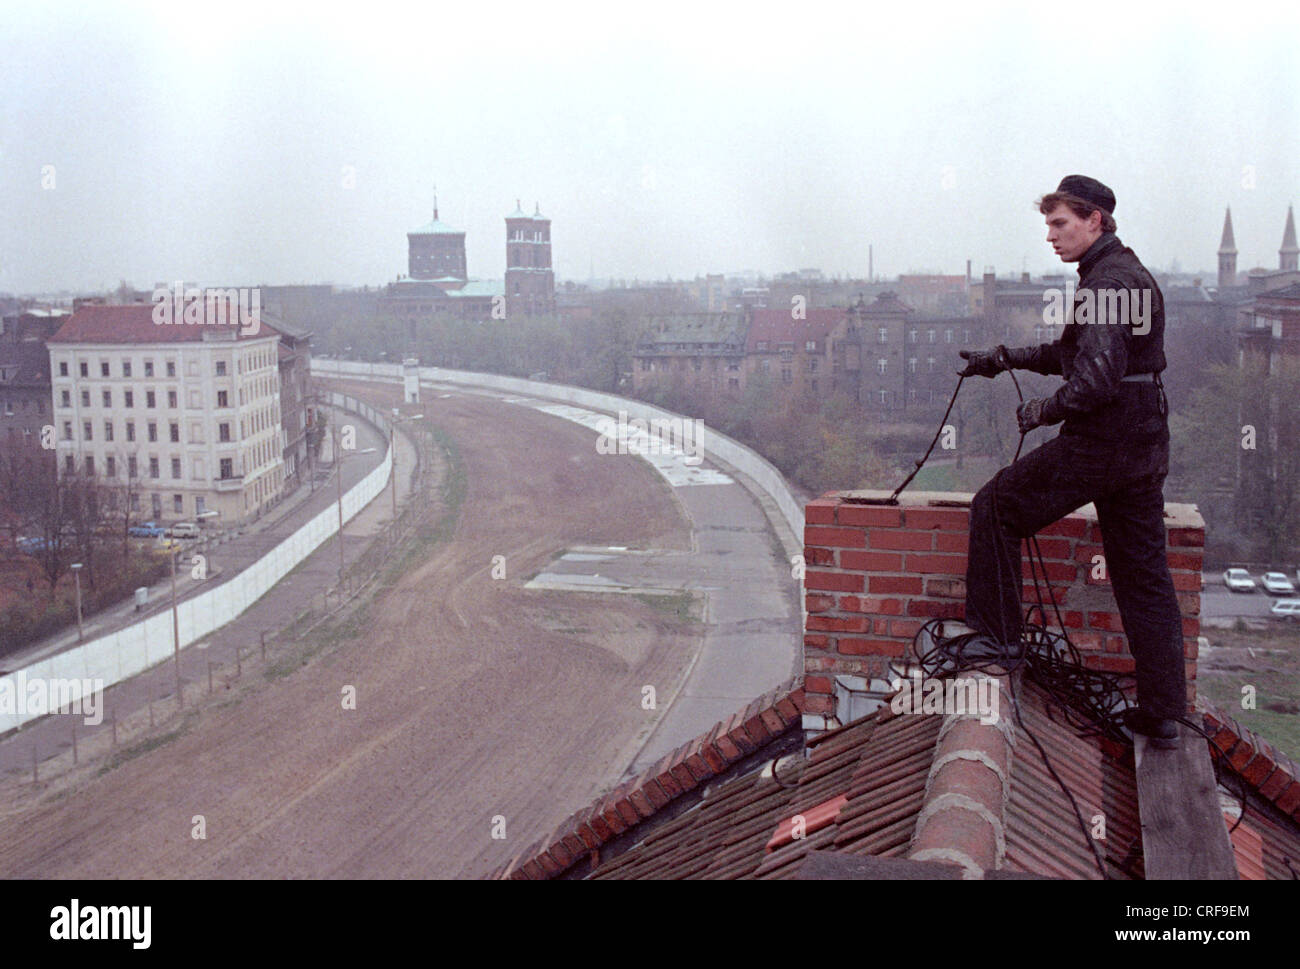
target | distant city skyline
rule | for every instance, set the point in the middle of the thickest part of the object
(151, 143)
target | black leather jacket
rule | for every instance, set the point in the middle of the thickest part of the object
(1092, 356)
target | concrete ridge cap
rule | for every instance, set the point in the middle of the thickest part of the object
(951, 801)
(977, 756)
(1001, 724)
(971, 871)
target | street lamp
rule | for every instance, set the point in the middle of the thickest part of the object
(76, 575)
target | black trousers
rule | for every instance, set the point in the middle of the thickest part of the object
(1125, 481)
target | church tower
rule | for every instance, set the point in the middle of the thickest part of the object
(436, 251)
(1286, 256)
(1227, 254)
(530, 281)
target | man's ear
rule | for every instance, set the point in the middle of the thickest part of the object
(1094, 220)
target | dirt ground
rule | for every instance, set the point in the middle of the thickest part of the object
(479, 704)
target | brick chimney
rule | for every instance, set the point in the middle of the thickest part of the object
(876, 572)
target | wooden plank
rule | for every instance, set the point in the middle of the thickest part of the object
(1183, 831)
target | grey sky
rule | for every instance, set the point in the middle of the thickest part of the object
(663, 139)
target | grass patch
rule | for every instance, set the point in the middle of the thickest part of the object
(1274, 672)
(146, 745)
(683, 606)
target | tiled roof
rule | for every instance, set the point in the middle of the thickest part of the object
(775, 326)
(1285, 293)
(951, 791)
(133, 323)
(25, 364)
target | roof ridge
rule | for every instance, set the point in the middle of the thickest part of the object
(1272, 774)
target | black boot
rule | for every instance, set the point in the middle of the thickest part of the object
(1161, 732)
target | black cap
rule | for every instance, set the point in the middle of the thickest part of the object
(1090, 190)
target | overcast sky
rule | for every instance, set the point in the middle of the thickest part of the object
(252, 144)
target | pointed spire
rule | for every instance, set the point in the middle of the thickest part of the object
(1289, 255)
(435, 203)
(537, 208)
(1227, 244)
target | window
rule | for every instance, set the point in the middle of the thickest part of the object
(929, 362)
(90, 465)
(786, 376)
(66, 399)
(227, 468)
(108, 430)
(176, 468)
(913, 335)
(884, 396)
(148, 368)
(126, 368)
(107, 397)
(153, 431)
(911, 364)
(130, 430)
(150, 399)
(221, 368)
(132, 469)
(88, 433)
(884, 334)
(178, 504)
(810, 346)
(223, 432)
(171, 368)
(156, 501)
(171, 398)
(1038, 333)
(110, 468)
(882, 365)
(63, 368)
(812, 367)
(103, 368)
(67, 430)
(128, 398)
(85, 371)
(965, 336)
(930, 335)
(761, 345)
(69, 464)
(174, 430)
(153, 467)
(85, 398)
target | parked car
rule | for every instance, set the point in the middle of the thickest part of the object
(146, 530)
(1238, 580)
(1276, 583)
(32, 545)
(184, 530)
(1287, 609)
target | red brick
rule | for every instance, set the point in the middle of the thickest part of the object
(952, 542)
(1105, 620)
(834, 536)
(575, 846)
(627, 811)
(946, 588)
(1087, 554)
(901, 540)
(871, 561)
(879, 626)
(937, 564)
(871, 647)
(1071, 525)
(839, 624)
(641, 802)
(590, 839)
(1084, 639)
(819, 602)
(1277, 783)
(873, 605)
(866, 515)
(1191, 648)
(788, 711)
(1191, 626)
(1054, 571)
(834, 581)
(727, 747)
(818, 684)
(1111, 663)
(905, 584)
(1054, 548)
(1289, 800)
(1071, 620)
(698, 767)
(709, 754)
(1187, 536)
(1049, 593)
(932, 609)
(663, 776)
(600, 827)
(1116, 644)
(819, 556)
(816, 640)
(1187, 581)
(1190, 561)
(772, 720)
(1189, 604)
(952, 519)
(904, 627)
(820, 511)
(534, 870)
(820, 704)
(1241, 755)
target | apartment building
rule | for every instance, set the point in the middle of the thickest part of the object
(188, 413)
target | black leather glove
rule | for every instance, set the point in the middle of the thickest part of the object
(1030, 414)
(984, 363)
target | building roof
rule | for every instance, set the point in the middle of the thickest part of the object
(1291, 292)
(435, 227)
(25, 364)
(133, 323)
(775, 326)
(952, 795)
(708, 330)
(479, 288)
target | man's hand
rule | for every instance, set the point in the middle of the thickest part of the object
(1030, 414)
(984, 363)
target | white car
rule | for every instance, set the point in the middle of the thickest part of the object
(1276, 583)
(184, 530)
(1287, 609)
(1238, 580)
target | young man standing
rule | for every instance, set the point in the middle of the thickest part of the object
(1113, 451)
